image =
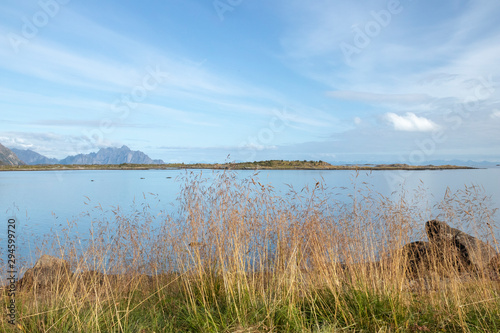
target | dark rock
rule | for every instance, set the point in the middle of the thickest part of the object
(457, 248)
(87, 281)
(91, 277)
(416, 257)
(48, 272)
(494, 264)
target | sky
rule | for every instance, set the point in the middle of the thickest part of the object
(407, 81)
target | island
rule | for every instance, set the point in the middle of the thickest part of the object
(259, 165)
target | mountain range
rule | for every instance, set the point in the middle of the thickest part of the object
(103, 156)
(111, 156)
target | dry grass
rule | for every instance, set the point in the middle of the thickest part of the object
(238, 257)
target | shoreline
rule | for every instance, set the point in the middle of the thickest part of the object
(234, 166)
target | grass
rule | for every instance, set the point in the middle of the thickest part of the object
(238, 257)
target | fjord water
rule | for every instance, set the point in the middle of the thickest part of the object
(45, 202)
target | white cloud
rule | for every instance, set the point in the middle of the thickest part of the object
(495, 114)
(411, 122)
(357, 120)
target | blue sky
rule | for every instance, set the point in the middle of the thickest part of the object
(192, 80)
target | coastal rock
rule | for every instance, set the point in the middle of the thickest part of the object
(457, 248)
(91, 277)
(416, 257)
(494, 264)
(86, 281)
(48, 272)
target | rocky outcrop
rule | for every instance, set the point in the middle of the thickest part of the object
(448, 250)
(494, 264)
(416, 257)
(48, 272)
(464, 251)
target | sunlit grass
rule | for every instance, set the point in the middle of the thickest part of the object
(238, 257)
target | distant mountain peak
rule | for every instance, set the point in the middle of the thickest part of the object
(31, 157)
(8, 157)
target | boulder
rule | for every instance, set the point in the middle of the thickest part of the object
(48, 272)
(91, 278)
(455, 247)
(416, 257)
(495, 264)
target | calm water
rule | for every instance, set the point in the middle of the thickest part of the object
(44, 201)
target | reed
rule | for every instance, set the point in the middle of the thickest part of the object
(240, 257)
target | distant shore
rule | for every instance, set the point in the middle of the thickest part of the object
(262, 165)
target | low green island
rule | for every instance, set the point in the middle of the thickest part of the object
(259, 165)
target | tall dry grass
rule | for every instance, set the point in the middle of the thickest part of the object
(240, 257)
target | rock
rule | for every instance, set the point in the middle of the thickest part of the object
(494, 264)
(416, 257)
(457, 248)
(91, 277)
(48, 272)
